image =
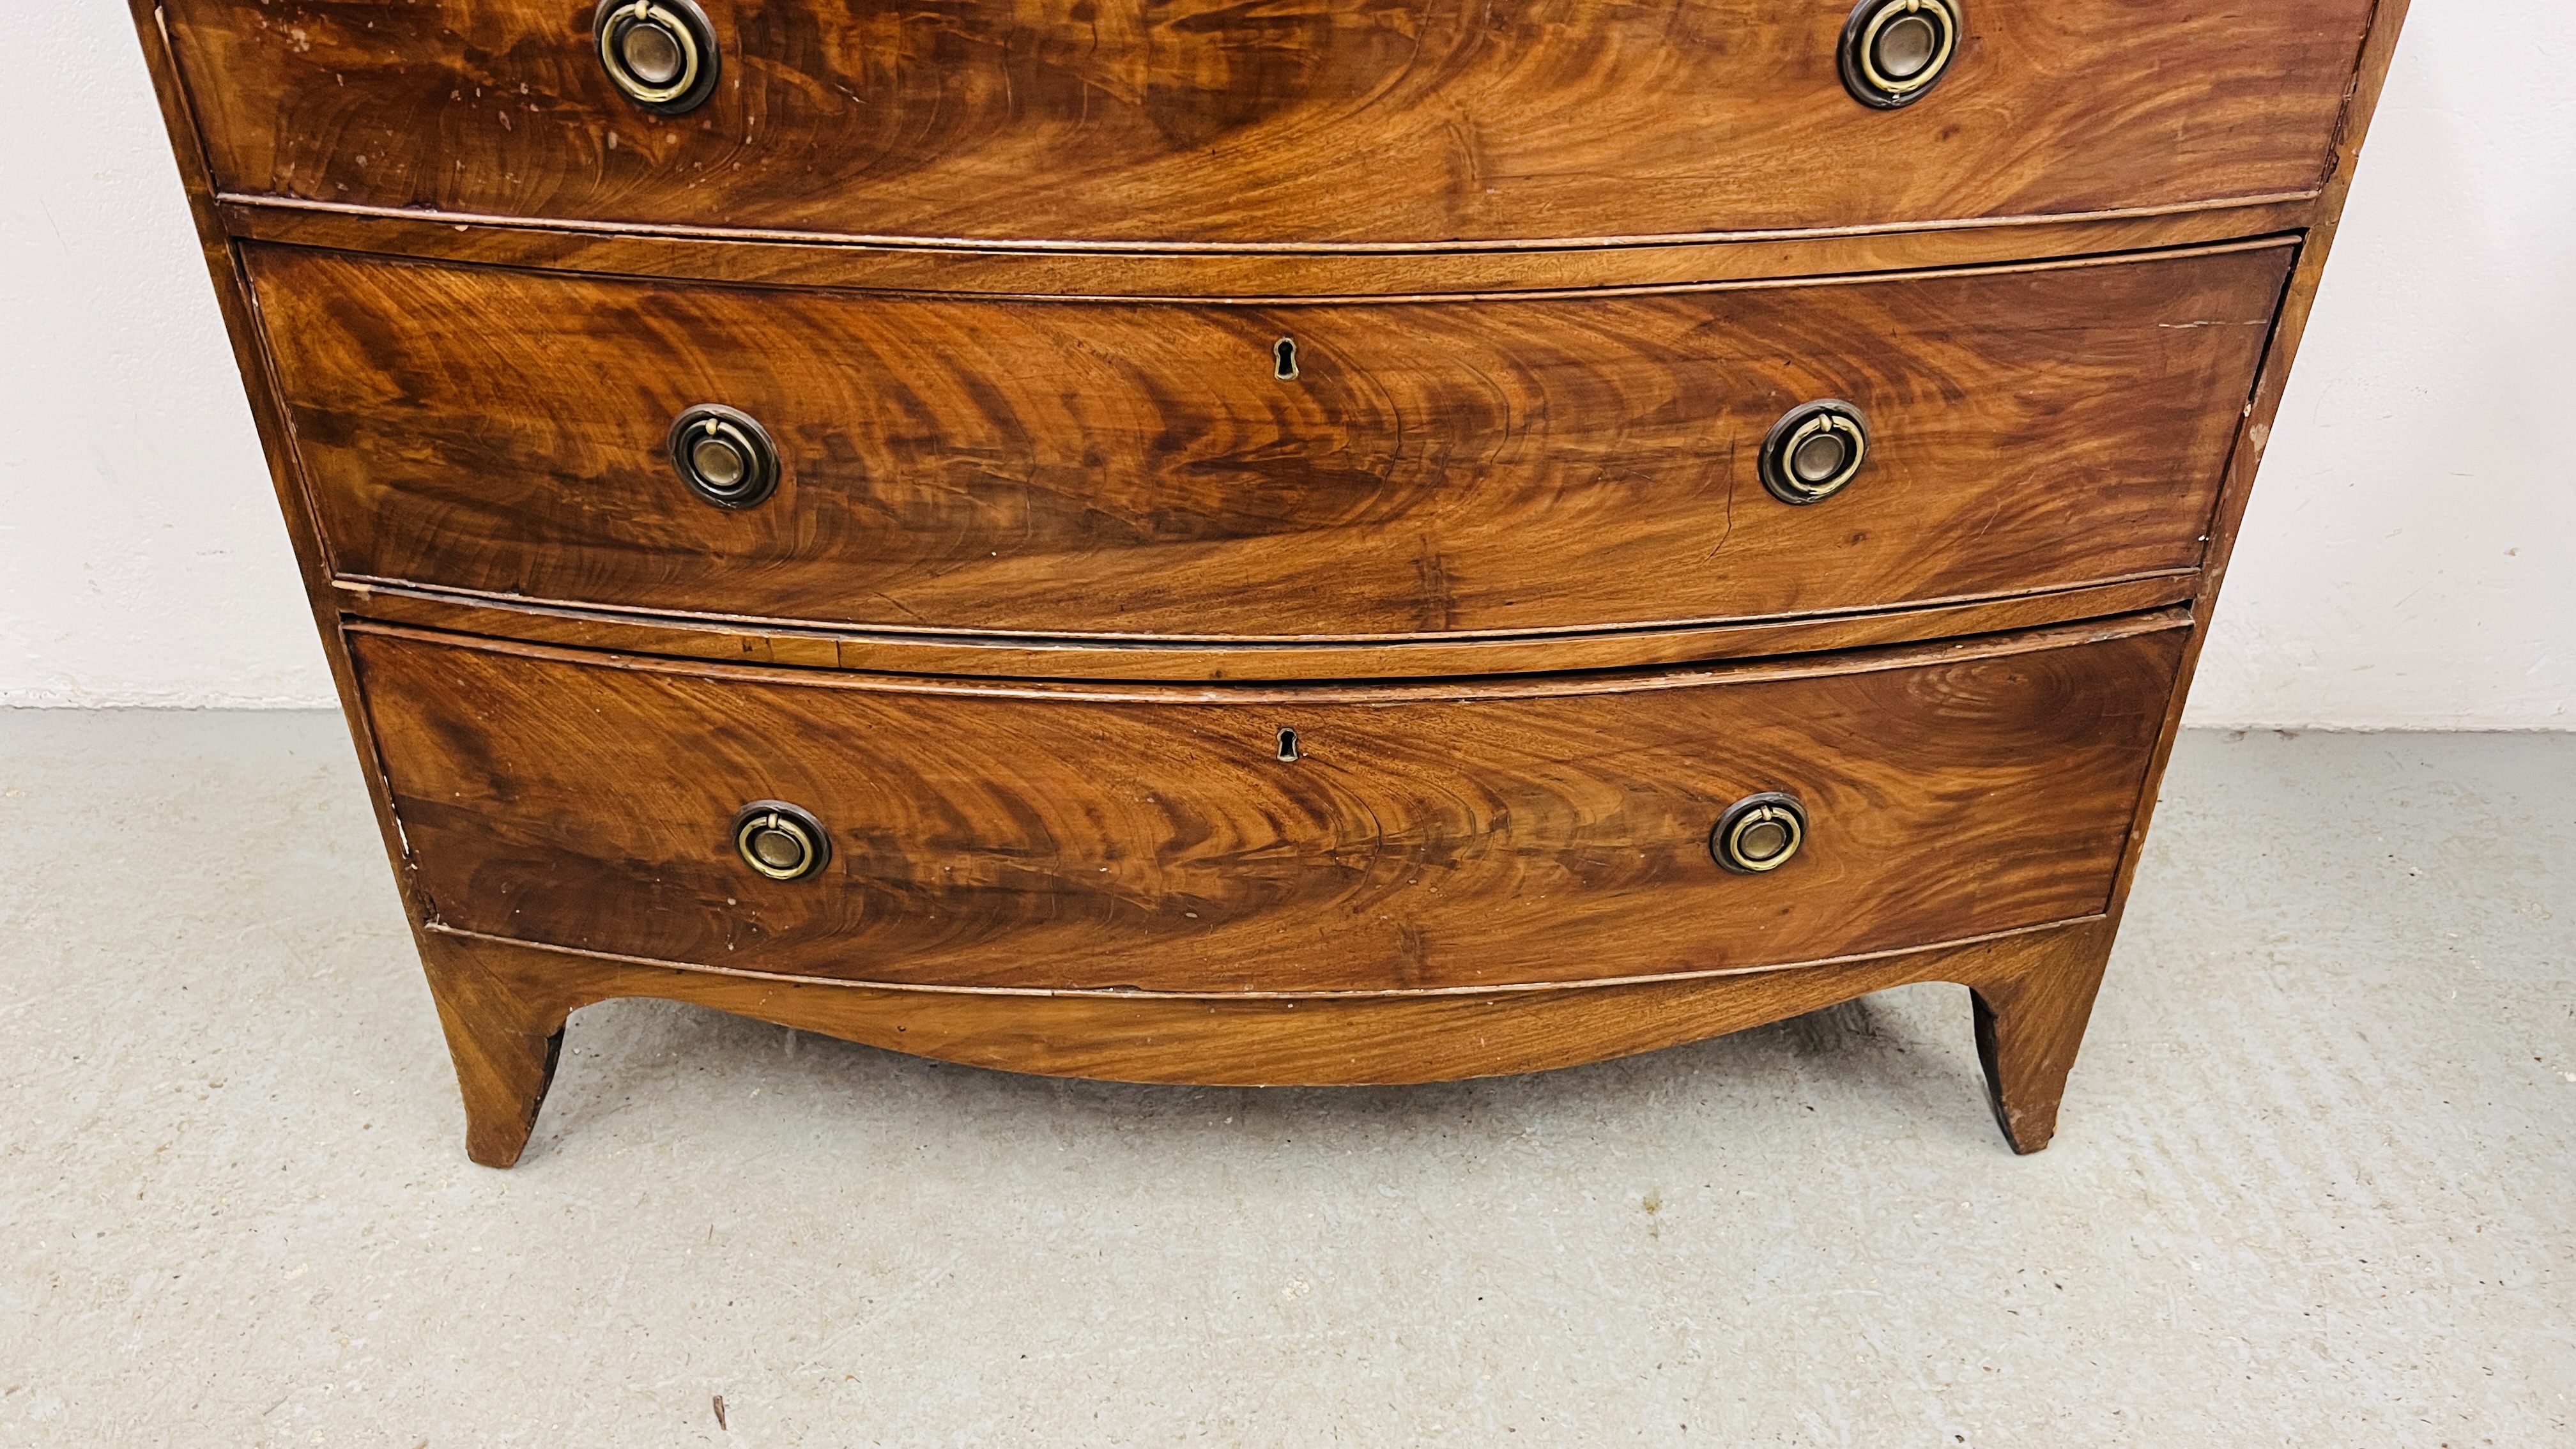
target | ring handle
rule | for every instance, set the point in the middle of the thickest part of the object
(1759, 833)
(779, 840)
(1814, 451)
(724, 455)
(660, 54)
(1895, 51)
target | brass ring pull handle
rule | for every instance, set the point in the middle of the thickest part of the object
(780, 840)
(1895, 51)
(660, 54)
(724, 456)
(1814, 450)
(1759, 833)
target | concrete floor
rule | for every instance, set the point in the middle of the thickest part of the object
(2313, 1185)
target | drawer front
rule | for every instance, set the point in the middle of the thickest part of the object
(1157, 841)
(1339, 121)
(1140, 468)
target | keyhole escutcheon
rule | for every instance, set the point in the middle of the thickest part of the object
(1284, 355)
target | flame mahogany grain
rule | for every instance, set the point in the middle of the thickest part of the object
(1433, 836)
(1214, 157)
(1454, 467)
(1315, 121)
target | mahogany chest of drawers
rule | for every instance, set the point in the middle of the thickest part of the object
(1335, 542)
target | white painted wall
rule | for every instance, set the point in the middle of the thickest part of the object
(141, 560)
(2410, 560)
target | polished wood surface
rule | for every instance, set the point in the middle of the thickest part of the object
(1467, 467)
(1324, 121)
(2085, 129)
(505, 1004)
(1152, 840)
(1061, 658)
(713, 255)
